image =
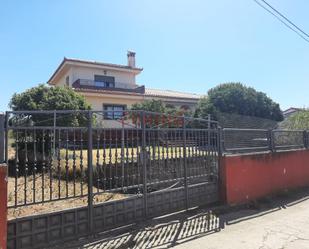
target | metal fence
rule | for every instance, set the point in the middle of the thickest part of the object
(158, 163)
(138, 152)
(65, 155)
(255, 140)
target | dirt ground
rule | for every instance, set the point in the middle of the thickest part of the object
(43, 189)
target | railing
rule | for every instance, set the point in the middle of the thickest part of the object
(289, 139)
(57, 155)
(256, 140)
(117, 86)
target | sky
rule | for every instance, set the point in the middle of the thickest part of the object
(184, 45)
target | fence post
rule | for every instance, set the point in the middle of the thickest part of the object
(270, 138)
(185, 172)
(144, 162)
(122, 153)
(221, 145)
(55, 124)
(208, 127)
(305, 139)
(2, 137)
(221, 166)
(90, 173)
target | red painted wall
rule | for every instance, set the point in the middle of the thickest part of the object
(248, 177)
(3, 206)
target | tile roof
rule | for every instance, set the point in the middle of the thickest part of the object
(102, 64)
(107, 91)
(292, 109)
(148, 92)
(170, 94)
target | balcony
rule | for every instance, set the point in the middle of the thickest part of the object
(115, 86)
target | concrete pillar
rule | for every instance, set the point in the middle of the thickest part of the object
(3, 206)
(2, 137)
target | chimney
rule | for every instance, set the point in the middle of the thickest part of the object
(131, 59)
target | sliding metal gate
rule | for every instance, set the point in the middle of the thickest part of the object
(149, 164)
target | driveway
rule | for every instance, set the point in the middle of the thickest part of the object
(281, 222)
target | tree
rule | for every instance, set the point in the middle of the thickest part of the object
(160, 107)
(240, 99)
(161, 113)
(150, 105)
(44, 97)
(297, 121)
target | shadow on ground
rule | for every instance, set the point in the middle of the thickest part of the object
(168, 231)
(264, 206)
(161, 232)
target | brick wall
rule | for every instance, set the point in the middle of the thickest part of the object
(3, 206)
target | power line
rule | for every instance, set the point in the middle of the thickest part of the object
(286, 24)
(285, 18)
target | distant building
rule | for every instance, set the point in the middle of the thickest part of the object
(290, 111)
(113, 87)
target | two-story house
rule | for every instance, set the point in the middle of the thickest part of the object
(113, 87)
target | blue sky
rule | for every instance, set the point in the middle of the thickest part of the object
(190, 45)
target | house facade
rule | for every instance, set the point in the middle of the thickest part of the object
(113, 87)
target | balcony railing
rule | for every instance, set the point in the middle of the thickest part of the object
(116, 86)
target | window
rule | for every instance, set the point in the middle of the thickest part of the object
(110, 84)
(104, 84)
(99, 84)
(113, 111)
(185, 107)
(67, 81)
(170, 106)
(104, 81)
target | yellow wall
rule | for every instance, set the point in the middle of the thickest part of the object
(88, 74)
(61, 80)
(97, 101)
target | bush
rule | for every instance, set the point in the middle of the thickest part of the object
(239, 99)
(297, 121)
(160, 107)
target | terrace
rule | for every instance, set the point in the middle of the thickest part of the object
(110, 86)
